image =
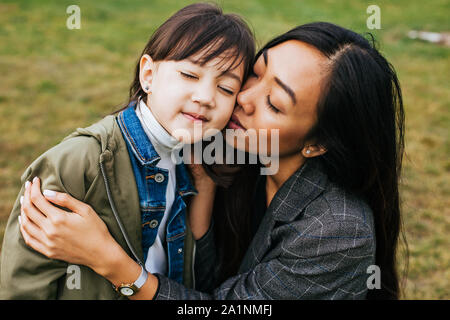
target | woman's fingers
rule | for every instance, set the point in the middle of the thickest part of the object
(29, 210)
(32, 242)
(33, 214)
(32, 235)
(30, 228)
(40, 202)
(64, 200)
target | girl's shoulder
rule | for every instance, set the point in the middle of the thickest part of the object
(77, 155)
(84, 144)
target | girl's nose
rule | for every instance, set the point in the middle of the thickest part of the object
(204, 94)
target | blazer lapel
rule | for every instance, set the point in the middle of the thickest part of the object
(306, 184)
(259, 244)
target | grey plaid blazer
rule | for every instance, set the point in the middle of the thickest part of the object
(315, 241)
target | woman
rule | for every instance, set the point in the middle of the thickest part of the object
(330, 212)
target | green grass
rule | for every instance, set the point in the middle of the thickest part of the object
(53, 80)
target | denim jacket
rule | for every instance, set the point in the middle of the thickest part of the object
(152, 185)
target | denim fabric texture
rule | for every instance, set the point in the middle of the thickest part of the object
(152, 185)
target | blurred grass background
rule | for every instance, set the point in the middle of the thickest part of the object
(53, 80)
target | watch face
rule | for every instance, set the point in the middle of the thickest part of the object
(126, 291)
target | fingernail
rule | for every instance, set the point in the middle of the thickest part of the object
(21, 200)
(49, 193)
(27, 184)
(35, 179)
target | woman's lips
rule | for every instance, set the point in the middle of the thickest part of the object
(234, 123)
(194, 116)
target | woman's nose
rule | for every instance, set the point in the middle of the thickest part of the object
(204, 94)
(246, 99)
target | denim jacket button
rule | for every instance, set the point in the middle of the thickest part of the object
(180, 250)
(153, 224)
(159, 177)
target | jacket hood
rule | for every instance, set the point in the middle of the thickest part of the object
(103, 131)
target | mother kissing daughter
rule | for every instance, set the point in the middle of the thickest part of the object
(309, 231)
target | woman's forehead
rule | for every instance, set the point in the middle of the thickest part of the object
(298, 66)
(295, 56)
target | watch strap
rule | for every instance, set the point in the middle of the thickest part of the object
(142, 278)
(136, 285)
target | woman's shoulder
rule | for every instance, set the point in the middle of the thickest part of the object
(309, 196)
(340, 209)
(345, 205)
(332, 222)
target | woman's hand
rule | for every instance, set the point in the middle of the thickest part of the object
(78, 237)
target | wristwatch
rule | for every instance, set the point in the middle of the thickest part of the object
(130, 289)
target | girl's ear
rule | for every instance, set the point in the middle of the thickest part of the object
(313, 150)
(146, 67)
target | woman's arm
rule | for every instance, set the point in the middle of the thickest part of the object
(306, 259)
(56, 233)
(78, 237)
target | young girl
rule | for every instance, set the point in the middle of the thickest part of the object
(188, 76)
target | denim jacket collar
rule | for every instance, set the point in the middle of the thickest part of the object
(144, 151)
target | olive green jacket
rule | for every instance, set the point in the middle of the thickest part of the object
(92, 164)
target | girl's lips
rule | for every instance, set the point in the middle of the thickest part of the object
(194, 116)
(235, 124)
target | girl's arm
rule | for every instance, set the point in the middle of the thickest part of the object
(62, 169)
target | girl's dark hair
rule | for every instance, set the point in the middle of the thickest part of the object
(195, 28)
(361, 124)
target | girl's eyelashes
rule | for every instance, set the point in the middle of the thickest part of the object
(193, 77)
(271, 106)
(188, 75)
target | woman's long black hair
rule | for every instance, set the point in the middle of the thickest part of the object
(361, 124)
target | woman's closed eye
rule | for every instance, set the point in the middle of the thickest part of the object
(271, 106)
(226, 91)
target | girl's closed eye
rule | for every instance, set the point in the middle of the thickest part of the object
(188, 75)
